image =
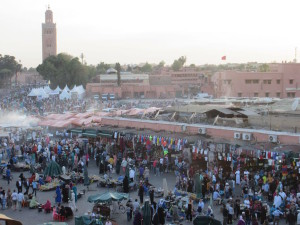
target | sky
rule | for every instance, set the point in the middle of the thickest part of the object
(136, 31)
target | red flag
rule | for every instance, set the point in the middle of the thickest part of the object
(223, 57)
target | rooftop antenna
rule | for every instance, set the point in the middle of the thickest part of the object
(295, 104)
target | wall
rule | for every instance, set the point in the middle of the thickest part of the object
(192, 129)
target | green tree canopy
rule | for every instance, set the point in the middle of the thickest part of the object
(64, 69)
(8, 67)
(178, 63)
(102, 67)
(118, 68)
(264, 68)
(147, 68)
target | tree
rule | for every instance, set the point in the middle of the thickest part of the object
(178, 63)
(118, 68)
(147, 68)
(264, 68)
(64, 69)
(102, 68)
(161, 64)
(8, 67)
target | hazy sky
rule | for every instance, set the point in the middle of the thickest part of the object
(134, 31)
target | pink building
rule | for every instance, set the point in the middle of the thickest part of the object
(281, 82)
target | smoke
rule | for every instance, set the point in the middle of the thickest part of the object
(15, 119)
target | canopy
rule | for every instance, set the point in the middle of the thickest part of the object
(53, 169)
(47, 89)
(66, 88)
(9, 221)
(204, 220)
(107, 197)
(57, 89)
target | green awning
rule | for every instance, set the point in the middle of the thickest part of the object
(89, 135)
(104, 135)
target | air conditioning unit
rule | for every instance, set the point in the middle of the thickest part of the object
(202, 131)
(237, 135)
(183, 128)
(246, 136)
(272, 138)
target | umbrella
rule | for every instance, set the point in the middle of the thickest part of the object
(86, 176)
(107, 197)
(198, 185)
(204, 220)
(146, 214)
(53, 169)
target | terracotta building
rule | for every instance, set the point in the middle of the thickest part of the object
(132, 86)
(49, 35)
(282, 81)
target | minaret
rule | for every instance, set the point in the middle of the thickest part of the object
(49, 35)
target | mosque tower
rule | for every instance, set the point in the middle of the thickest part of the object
(49, 35)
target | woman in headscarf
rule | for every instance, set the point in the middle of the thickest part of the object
(137, 218)
(74, 188)
(33, 203)
(47, 206)
(58, 195)
(241, 221)
(125, 184)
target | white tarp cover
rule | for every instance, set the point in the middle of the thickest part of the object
(66, 88)
(57, 89)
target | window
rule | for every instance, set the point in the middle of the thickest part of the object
(267, 94)
(291, 95)
(278, 94)
(248, 81)
(239, 94)
(267, 81)
(278, 81)
(291, 81)
(255, 94)
(255, 81)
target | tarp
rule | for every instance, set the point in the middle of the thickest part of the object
(53, 169)
(107, 197)
(206, 220)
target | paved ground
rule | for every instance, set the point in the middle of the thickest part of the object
(32, 216)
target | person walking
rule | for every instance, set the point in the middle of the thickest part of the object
(141, 193)
(14, 197)
(19, 185)
(8, 175)
(189, 215)
(26, 185)
(20, 198)
(73, 204)
(34, 187)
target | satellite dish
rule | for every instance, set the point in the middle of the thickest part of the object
(295, 104)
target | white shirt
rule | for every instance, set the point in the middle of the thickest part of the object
(20, 197)
(277, 201)
(135, 205)
(14, 196)
(108, 223)
(282, 194)
(131, 173)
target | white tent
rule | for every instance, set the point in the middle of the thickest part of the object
(65, 95)
(41, 93)
(66, 88)
(47, 89)
(33, 93)
(78, 92)
(74, 88)
(57, 89)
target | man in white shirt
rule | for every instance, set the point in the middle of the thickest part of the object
(135, 205)
(20, 199)
(131, 174)
(277, 201)
(282, 194)
(14, 197)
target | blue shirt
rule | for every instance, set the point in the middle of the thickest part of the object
(34, 185)
(7, 173)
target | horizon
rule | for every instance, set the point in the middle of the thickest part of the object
(136, 32)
